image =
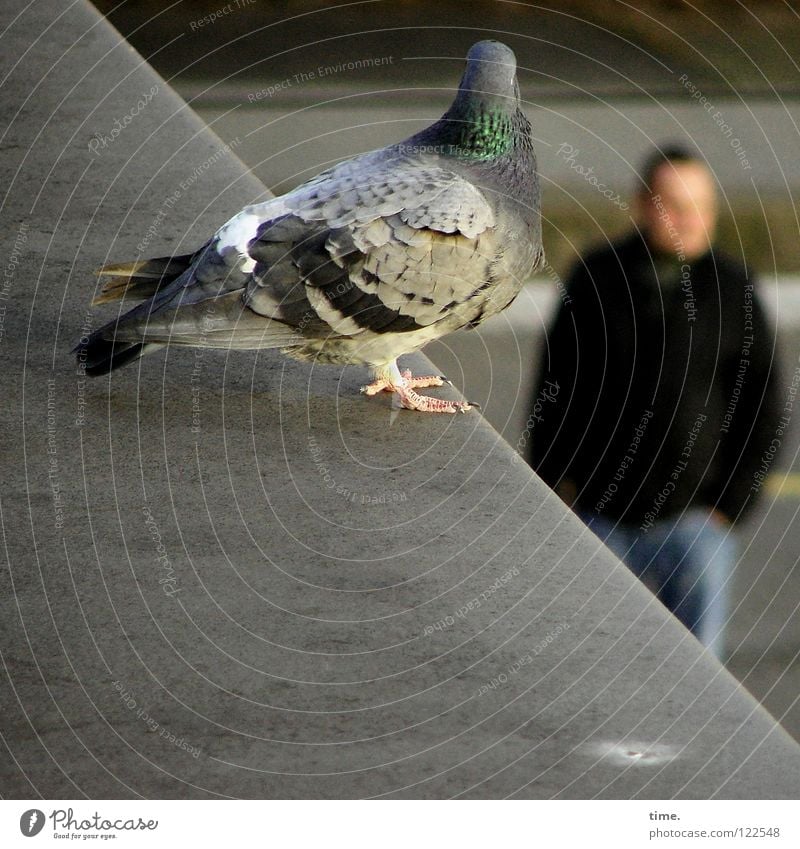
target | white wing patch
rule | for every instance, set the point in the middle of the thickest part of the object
(234, 236)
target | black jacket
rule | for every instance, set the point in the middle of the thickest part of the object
(657, 388)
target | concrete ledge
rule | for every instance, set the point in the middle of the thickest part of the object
(236, 577)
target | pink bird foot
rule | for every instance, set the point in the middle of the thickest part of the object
(404, 389)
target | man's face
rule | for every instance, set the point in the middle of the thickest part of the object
(680, 216)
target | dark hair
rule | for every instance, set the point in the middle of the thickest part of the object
(673, 154)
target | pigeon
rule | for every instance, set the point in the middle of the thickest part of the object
(371, 259)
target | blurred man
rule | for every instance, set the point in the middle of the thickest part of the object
(661, 401)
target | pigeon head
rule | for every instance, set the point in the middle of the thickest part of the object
(490, 78)
(484, 121)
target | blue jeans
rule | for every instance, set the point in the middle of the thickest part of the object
(686, 560)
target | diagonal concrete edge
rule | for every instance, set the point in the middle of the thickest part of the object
(233, 576)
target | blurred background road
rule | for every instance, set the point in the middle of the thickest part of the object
(295, 86)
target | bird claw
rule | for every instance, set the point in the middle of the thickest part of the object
(375, 387)
(424, 382)
(411, 400)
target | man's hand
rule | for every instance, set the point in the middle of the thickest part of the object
(720, 518)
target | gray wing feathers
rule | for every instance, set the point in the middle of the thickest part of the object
(371, 187)
(407, 235)
(373, 244)
(222, 322)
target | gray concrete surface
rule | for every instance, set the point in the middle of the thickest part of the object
(298, 129)
(260, 584)
(496, 365)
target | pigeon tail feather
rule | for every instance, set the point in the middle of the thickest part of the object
(101, 356)
(140, 279)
